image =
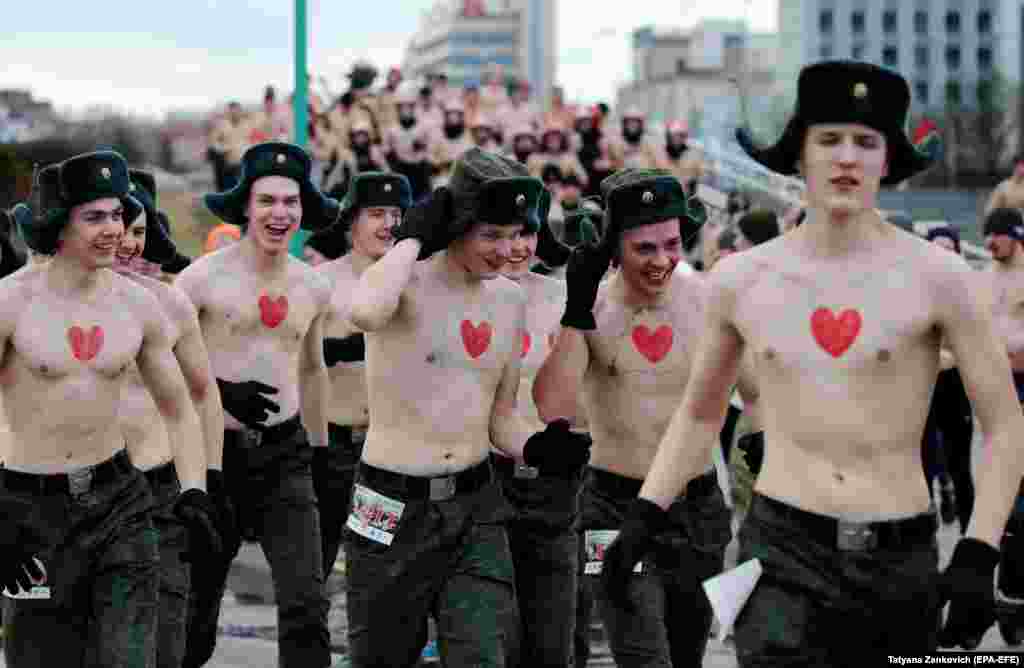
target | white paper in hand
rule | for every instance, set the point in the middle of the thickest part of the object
(728, 592)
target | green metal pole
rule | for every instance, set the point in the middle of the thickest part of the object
(299, 103)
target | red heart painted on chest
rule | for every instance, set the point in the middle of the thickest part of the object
(526, 344)
(273, 311)
(835, 335)
(476, 338)
(653, 345)
(85, 345)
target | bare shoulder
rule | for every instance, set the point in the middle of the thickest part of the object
(136, 298)
(15, 292)
(339, 272)
(319, 283)
(176, 303)
(199, 274)
(545, 288)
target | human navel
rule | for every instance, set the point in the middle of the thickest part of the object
(884, 355)
(431, 358)
(769, 354)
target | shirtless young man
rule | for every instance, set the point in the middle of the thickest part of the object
(844, 317)
(1004, 276)
(145, 238)
(261, 312)
(373, 205)
(626, 348)
(444, 343)
(542, 536)
(1009, 194)
(71, 331)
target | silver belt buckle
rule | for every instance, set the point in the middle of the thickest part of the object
(856, 537)
(253, 437)
(524, 472)
(443, 488)
(80, 481)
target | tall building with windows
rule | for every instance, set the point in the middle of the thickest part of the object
(944, 48)
(466, 38)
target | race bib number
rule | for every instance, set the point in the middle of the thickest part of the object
(596, 542)
(374, 515)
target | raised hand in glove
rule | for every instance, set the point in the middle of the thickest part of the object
(643, 522)
(968, 587)
(226, 523)
(428, 221)
(557, 451)
(352, 348)
(245, 402)
(196, 509)
(587, 266)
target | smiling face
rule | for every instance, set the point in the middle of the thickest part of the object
(274, 213)
(485, 250)
(371, 230)
(130, 248)
(93, 232)
(649, 255)
(524, 249)
(843, 165)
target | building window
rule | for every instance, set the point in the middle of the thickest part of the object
(984, 58)
(889, 21)
(984, 22)
(890, 56)
(953, 57)
(921, 56)
(921, 90)
(953, 23)
(825, 52)
(857, 52)
(953, 92)
(921, 22)
(681, 66)
(857, 22)
(825, 21)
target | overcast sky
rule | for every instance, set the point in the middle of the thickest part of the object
(148, 57)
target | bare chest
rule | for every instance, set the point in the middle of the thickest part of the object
(542, 324)
(645, 345)
(798, 325)
(54, 342)
(1007, 293)
(282, 312)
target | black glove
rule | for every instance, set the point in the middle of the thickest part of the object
(550, 250)
(557, 451)
(587, 265)
(245, 402)
(967, 585)
(321, 474)
(227, 524)
(643, 522)
(752, 446)
(352, 348)
(196, 509)
(427, 221)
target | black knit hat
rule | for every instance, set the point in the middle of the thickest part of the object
(846, 92)
(159, 247)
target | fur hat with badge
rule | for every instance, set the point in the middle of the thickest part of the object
(275, 159)
(159, 247)
(844, 91)
(367, 189)
(637, 197)
(61, 186)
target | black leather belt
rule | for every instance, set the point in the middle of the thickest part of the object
(163, 475)
(852, 536)
(74, 482)
(434, 488)
(255, 437)
(621, 487)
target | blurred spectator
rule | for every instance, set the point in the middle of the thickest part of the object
(221, 236)
(946, 236)
(518, 111)
(559, 114)
(679, 158)
(227, 142)
(631, 148)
